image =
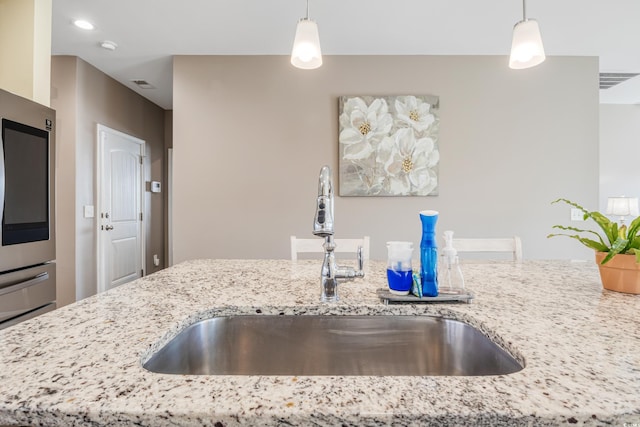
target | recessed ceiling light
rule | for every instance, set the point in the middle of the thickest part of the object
(85, 25)
(109, 45)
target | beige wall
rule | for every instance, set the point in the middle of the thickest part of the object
(250, 134)
(64, 101)
(25, 48)
(42, 51)
(619, 151)
(101, 100)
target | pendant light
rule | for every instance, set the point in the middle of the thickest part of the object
(526, 46)
(306, 53)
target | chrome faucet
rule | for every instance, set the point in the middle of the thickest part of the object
(323, 227)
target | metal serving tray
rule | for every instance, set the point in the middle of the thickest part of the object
(388, 298)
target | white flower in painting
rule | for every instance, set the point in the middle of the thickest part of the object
(363, 127)
(414, 112)
(408, 163)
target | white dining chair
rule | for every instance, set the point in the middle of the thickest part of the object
(342, 246)
(511, 245)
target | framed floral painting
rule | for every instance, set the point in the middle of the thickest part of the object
(388, 145)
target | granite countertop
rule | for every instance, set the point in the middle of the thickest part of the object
(81, 364)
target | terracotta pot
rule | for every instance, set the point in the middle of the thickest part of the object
(620, 274)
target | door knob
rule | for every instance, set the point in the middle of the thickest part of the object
(109, 227)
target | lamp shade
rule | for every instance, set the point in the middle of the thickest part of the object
(306, 53)
(526, 46)
(622, 206)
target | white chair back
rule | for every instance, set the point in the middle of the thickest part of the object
(511, 245)
(315, 246)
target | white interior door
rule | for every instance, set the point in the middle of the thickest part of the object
(120, 219)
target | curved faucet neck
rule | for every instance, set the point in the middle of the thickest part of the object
(323, 227)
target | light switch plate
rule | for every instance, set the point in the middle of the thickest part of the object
(89, 211)
(577, 215)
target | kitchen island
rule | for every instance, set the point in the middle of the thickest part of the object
(82, 364)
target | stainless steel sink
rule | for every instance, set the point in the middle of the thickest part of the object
(331, 345)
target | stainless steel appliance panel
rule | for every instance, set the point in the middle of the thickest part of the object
(27, 112)
(25, 290)
(30, 315)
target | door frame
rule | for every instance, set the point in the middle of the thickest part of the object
(170, 206)
(100, 262)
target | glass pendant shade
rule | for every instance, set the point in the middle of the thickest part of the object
(306, 53)
(526, 46)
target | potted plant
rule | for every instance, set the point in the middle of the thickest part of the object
(617, 249)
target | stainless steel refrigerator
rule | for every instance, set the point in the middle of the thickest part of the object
(27, 209)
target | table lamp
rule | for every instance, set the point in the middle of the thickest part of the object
(622, 206)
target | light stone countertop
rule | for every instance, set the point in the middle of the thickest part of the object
(81, 364)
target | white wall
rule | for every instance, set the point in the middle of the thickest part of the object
(251, 133)
(619, 152)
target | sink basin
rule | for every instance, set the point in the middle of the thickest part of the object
(331, 345)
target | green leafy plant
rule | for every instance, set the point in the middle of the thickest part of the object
(614, 239)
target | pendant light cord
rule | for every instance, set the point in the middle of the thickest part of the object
(524, 9)
(308, 9)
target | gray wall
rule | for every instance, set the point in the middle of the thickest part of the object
(85, 98)
(250, 134)
(619, 151)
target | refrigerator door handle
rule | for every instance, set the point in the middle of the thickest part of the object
(2, 184)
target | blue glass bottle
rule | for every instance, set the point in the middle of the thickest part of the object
(429, 254)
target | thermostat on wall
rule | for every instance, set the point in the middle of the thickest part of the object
(156, 187)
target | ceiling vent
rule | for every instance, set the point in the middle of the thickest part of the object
(608, 80)
(143, 84)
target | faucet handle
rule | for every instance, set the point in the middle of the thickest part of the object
(350, 273)
(360, 272)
